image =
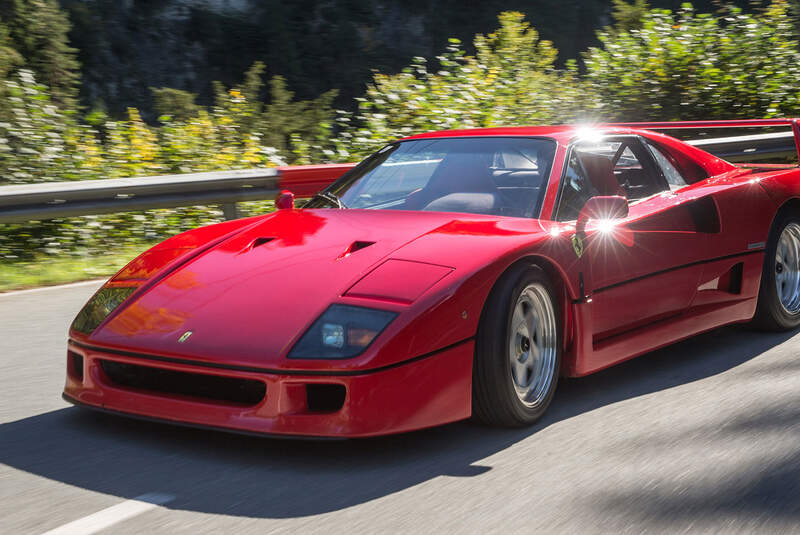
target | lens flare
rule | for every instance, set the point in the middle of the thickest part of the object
(606, 225)
(589, 134)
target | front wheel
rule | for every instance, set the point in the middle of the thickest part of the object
(517, 350)
(779, 295)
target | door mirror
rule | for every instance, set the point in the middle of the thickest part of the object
(610, 207)
(284, 200)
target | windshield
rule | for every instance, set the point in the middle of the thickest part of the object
(478, 175)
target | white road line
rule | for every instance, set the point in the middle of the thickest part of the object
(112, 515)
(57, 287)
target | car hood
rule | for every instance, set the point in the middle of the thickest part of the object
(248, 299)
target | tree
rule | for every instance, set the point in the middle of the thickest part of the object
(285, 118)
(628, 16)
(174, 104)
(9, 57)
(686, 65)
(38, 32)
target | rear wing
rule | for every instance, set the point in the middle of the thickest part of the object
(747, 148)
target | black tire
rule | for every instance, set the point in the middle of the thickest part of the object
(771, 315)
(494, 396)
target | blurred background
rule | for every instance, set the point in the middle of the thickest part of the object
(97, 89)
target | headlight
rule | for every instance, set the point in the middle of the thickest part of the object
(342, 332)
(124, 283)
(100, 306)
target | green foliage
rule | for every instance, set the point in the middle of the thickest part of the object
(38, 140)
(37, 31)
(174, 104)
(511, 80)
(686, 65)
(302, 127)
(629, 16)
(9, 58)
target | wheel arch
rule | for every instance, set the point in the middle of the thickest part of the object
(791, 205)
(770, 315)
(557, 277)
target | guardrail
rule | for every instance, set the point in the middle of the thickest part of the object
(52, 200)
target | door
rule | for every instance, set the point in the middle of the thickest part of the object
(646, 266)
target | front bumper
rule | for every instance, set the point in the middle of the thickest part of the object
(425, 392)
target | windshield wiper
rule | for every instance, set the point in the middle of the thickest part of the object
(331, 198)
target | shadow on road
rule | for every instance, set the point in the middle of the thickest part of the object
(214, 472)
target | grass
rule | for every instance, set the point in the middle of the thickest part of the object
(49, 270)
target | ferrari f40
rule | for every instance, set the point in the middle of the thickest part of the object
(449, 275)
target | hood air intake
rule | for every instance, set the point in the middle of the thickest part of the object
(356, 246)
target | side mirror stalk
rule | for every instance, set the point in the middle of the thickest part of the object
(284, 200)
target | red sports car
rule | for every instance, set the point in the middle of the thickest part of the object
(449, 275)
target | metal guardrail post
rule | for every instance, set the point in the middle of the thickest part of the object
(230, 211)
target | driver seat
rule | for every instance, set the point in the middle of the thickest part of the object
(461, 183)
(600, 172)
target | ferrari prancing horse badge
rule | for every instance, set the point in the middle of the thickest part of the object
(577, 245)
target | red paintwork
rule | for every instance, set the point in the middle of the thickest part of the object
(381, 283)
(432, 392)
(249, 289)
(306, 180)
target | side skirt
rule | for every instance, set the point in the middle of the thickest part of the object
(590, 358)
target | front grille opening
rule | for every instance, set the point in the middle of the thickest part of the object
(75, 365)
(325, 397)
(201, 386)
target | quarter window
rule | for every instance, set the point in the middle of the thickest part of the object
(671, 173)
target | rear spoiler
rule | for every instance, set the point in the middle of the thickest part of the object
(750, 148)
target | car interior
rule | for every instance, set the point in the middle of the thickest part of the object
(505, 182)
(622, 166)
(506, 176)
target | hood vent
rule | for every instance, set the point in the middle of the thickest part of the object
(356, 246)
(260, 241)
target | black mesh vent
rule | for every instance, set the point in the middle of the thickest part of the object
(196, 385)
(325, 397)
(75, 365)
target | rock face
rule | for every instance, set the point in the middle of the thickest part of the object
(128, 46)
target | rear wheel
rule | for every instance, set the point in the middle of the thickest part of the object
(518, 350)
(779, 295)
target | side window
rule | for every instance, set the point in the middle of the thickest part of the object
(614, 166)
(576, 189)
(635, 170)
(671, 173)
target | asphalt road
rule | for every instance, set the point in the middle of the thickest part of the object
(703, 436)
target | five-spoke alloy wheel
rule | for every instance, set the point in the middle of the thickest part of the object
(532, 345)
(517, 349)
